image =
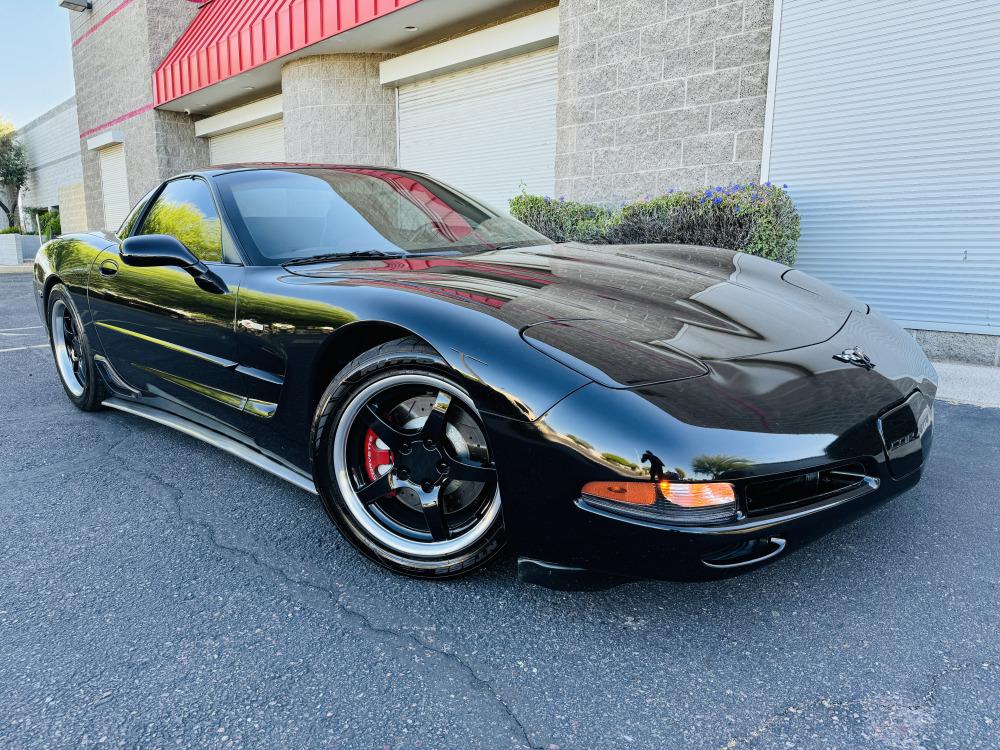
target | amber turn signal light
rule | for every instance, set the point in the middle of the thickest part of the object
(682, 494)
(633, 493)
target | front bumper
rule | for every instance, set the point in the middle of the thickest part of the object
(568, 534)
(649, 550)
(645, 550)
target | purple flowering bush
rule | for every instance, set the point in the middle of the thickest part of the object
(754, 218)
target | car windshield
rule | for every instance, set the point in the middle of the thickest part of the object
(286, 215)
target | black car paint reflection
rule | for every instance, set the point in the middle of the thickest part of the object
(587, 363)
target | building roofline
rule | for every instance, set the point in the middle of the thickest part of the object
(58, 109)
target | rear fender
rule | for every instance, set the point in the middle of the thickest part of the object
(68, 261)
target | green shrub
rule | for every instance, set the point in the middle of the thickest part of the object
(562, 221)
(755, 219)
(10, 230)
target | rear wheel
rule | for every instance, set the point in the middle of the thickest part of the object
(403, 465)
(71, 350)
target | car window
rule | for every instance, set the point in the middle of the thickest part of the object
(126, 228)
(284, 215)
(185, 210)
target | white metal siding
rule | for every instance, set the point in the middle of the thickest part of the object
(52, 144)
(885, 126)
(264, 142)
(484, 130)
(114, 186)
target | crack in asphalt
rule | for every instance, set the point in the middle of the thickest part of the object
(925, 703)
(81, 461)
(210, 533)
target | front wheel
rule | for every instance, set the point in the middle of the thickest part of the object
(403, 466)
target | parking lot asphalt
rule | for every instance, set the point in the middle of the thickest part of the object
(155, 592)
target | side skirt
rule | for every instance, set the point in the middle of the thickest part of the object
(227, 444)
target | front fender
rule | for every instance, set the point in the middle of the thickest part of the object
(287, 324)
(300, 318)
(508, 376)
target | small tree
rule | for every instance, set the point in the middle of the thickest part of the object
(13, 171)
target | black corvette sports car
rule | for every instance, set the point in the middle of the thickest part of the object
(447, 380)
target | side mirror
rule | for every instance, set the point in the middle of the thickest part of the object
(156, 250)
(148, 250)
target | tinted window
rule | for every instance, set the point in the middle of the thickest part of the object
(282, 215)
(126, 228)
(185, 210)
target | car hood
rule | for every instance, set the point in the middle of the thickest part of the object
(625, 315)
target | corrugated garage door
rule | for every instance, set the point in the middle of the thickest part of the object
(885, 126)
(484, 130)
(114, 186)
(264, 142)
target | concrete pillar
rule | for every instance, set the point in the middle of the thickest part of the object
(118, 46)
(337, 112)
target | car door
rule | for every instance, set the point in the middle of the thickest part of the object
(164, 335)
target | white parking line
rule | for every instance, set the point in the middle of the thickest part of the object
(22, 348)
(22, 328)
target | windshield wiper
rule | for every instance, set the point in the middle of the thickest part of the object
(513, 245)
(353, 255)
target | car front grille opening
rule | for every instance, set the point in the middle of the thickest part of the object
(809, 487)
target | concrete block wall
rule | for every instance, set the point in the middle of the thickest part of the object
(120, 44)
(659, 94)
(967, 348)
(178, 149)
(337, 112)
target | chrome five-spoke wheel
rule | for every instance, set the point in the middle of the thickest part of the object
(72, 351)
(411, 461)
(403, 463)
(68, 347)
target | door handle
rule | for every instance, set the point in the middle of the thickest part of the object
(109, 268)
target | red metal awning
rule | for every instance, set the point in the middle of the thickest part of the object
(228, 37)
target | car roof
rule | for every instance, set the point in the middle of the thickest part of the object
(219, 169)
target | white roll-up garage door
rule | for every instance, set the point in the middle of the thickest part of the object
(484, 130)
(884, 124)
(114, 186)
(264, 142)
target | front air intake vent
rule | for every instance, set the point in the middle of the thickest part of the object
(797, 490)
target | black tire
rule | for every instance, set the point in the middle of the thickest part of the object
(461, 509)
(74, 361)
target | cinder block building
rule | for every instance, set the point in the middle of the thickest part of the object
(880, 117)
(55, 175)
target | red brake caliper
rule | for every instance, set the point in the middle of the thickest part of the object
(375, 457)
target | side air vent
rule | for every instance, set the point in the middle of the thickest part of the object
(113, 380)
